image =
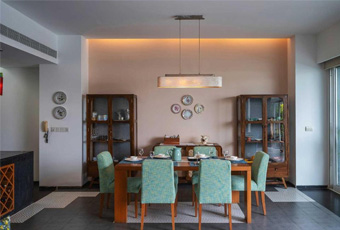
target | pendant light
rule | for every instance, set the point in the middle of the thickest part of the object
(190, 80)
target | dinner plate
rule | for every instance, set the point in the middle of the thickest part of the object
(131, 159)
(237, 159)
(161, 157)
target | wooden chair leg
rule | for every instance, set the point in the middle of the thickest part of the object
(128, 198)
(176, 203)
(193, 194)
(108, 200)
(146, 210)
(230, 217)
(102, 198)
(142, 217)
(196, 207)
(225, 210)
(173, 215)
(263, 198)
(284, 182)
(257, 198)
(136, 205)
(199, 216)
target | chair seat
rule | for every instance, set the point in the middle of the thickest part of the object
(194, 179)
(134, 184)
(237, 183)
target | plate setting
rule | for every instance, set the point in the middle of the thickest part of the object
(176, 108)
(187, 100)
(187, 114)
(59, 112)
(59, 98)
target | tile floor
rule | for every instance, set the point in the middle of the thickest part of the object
(82, 214)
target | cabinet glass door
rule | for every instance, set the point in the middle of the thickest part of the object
(276, 142)
(121, 143)
(253, 109)
(275, 106)
(254, 139)
(99, 128)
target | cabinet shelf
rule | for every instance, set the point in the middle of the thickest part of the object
(253, 122)
(100, 141)
(99, 122)
(120, 141)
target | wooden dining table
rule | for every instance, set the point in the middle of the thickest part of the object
(123, 169)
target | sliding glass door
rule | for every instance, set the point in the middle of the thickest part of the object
(335, 129)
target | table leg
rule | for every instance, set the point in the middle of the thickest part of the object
(248, 196)
(120, 196)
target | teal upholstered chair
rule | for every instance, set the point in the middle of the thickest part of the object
(107, 178)
(158, 187)
(210, 151)
(214, 186)
(258, 178)
(163, 149)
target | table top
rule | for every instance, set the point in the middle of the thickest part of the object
(183, 165)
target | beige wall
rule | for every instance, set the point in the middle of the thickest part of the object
(248, 66)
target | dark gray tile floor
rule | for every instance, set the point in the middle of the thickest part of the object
(82, 214)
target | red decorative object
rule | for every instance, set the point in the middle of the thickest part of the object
(1, 84)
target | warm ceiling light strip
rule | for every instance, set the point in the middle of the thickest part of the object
(189, 80)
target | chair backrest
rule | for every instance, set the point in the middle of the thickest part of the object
(210, 151)
(259, 170)
(214, 182)
(163, 149)
(158, 184)
(106, 171)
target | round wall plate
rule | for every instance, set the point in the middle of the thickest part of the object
(199, 108)
(59, 112)
(187, 114)
(187, 100)
(59, 97)
(176, 108)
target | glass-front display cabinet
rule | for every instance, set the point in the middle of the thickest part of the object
(263, 126)
(111, 122)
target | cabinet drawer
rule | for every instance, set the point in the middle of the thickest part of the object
(277, 171)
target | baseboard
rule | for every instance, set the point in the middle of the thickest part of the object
(312, 187)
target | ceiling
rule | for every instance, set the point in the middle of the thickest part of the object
(12, 57)
(153, 19)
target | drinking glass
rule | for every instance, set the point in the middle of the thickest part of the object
(141, 152)
(151, 154)
(225, 153)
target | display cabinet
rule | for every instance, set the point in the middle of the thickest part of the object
(6, 189)
(263, 126)
(111, 126)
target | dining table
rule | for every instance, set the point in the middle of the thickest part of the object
(122, 170)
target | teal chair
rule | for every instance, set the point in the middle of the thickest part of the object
(159, 188)
(258, 178)
(163, 149)
(210, 151)
(107, 181)
(214, 186)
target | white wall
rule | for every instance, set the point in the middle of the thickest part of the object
(61, 158)
(328, 43)
(311, 109)
(19, 112)
(19, 22)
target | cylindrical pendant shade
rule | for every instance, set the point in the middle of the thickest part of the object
(198, 81)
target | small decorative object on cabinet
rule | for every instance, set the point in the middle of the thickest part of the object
(204, 139)
(6, 189)
(117, 134)
(263, 126)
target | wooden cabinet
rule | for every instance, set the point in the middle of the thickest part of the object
(111, 121)
(263, 126)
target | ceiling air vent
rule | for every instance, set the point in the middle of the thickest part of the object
(14, 35)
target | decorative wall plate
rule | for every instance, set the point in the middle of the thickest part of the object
(59, 112)
(187, 114)
(187, 100)
(59, 98)
(176, 108)
(199, 108)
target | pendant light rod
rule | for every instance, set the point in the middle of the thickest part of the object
(180, 47)
(199, 46)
